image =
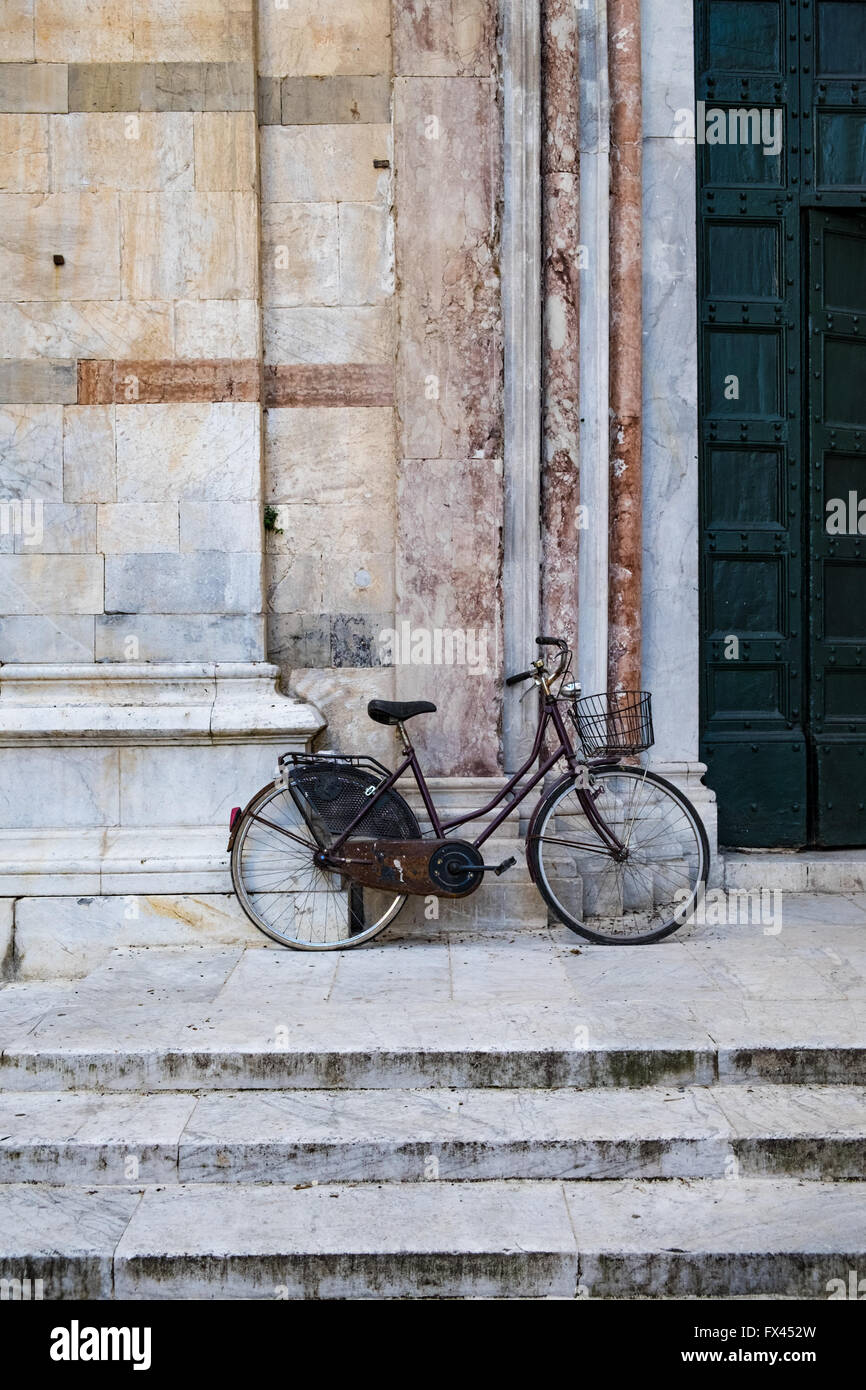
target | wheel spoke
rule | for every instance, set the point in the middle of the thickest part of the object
(636, 898)
(290, 897)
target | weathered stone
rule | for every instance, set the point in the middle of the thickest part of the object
(300, 641)
(60, 638)
(224, 526)
(92, 928)
(102, 329)
(324, 164)
(269, 112)
(330, 455)
(18, 44)
(85, 31)
(561, 87)
(111, 87)
(42, 382)
(366, 254)
(225, 150)
(323, 37)
(96, 382)
(560, 490)
(216, 328)
(306, 641)
(88, 454)
(149, 383)
(453, 40)
(447, 578)
(81, 226)
(138, 151)
(52, 584)
(348, 384)
(189, 245)
(33, 86)
(312, 335)
(205, 583)
(190, 31)
(300, 254)
(80, 783)
(342, 698)
(217, 86)
(204, 637)
(449, 379)
(143, 528)
(66, 529)
(23, 154)
(335, 100)
(347, 556)
(161, 86)
(31, 452)
(192, 450)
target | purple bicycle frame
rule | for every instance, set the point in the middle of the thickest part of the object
(550, 714)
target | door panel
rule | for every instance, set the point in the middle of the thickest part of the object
(782, 402)
(837, 588)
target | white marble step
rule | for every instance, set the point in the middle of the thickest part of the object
(784, 871)
(504, 1008)
(699, 1238)
(417, 1135)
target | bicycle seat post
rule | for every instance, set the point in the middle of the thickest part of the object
(403, 736)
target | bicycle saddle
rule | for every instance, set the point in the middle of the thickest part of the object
(395, 711)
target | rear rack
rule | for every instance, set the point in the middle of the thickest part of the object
(361, 760)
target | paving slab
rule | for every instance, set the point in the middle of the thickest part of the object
(401, 1240)
(700, 1239)
(538, 1008)
(691, 1238)
(80, 1137)
(64, 1236)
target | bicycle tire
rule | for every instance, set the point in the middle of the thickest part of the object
(311, 893)
(648, 876)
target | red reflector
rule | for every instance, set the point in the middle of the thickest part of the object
(236, 810)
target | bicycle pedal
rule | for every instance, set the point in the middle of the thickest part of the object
(506, 864)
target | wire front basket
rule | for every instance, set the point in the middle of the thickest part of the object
(615, 724)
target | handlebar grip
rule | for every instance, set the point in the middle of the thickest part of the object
(549, 642)
(523, 676)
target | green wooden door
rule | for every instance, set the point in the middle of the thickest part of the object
(781, 135)
(837, 525)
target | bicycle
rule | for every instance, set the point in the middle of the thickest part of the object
(326, 856)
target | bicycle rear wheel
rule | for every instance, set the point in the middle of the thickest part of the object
(287, 895)
(640, 897)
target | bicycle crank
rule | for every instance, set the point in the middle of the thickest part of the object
(438, 868)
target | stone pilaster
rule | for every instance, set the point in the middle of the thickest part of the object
(449, 377)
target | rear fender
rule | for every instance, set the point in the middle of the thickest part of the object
(238, 813)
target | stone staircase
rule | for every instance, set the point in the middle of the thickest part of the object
(500, 1115)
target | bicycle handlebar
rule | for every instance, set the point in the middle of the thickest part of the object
(539, 669)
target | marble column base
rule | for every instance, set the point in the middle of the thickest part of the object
(121, 778)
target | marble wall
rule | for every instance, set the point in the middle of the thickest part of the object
(129, 330)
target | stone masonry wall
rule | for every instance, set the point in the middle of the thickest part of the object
(249, 258)
(129, 332)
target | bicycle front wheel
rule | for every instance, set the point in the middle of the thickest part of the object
(638, 895)
(287, 895)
